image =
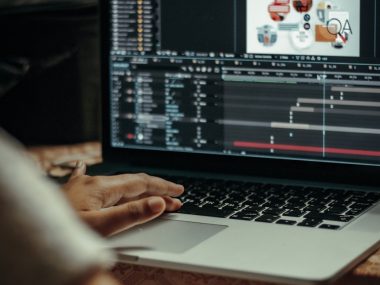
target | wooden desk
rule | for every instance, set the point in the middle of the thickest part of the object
(49, 158)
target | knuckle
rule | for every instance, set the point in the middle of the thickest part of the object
(144, 179)
(143, 175)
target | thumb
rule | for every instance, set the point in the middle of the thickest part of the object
(112, 220)
(80, 169)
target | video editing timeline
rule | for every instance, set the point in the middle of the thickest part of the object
(299, 105)
(330, 118)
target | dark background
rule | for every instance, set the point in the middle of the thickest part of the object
(49, 72)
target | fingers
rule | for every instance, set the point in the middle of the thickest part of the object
(152, 185)
(116, 219)
(80, 169)
(134, 185)
(172, 204)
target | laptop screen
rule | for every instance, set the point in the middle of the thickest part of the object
(283, 79)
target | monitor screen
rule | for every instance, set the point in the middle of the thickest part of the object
(281, 79)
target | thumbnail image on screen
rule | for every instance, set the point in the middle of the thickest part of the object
(310, 27)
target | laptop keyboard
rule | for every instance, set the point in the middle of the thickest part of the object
(313, 207)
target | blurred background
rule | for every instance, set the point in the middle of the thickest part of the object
(49, 70)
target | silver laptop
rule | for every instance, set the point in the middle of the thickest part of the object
(268, 112)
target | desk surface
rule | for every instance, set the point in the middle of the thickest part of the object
(52, 158)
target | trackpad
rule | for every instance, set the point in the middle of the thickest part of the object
(165, 236)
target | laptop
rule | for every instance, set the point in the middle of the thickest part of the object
(268, 112)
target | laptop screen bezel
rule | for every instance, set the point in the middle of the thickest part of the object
(363, 175)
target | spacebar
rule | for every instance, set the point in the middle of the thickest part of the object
(204, 211)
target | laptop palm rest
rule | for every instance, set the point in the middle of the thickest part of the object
(165, 236)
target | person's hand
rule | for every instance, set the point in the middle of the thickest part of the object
(111, 204)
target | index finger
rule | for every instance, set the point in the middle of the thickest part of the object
(134, 185)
